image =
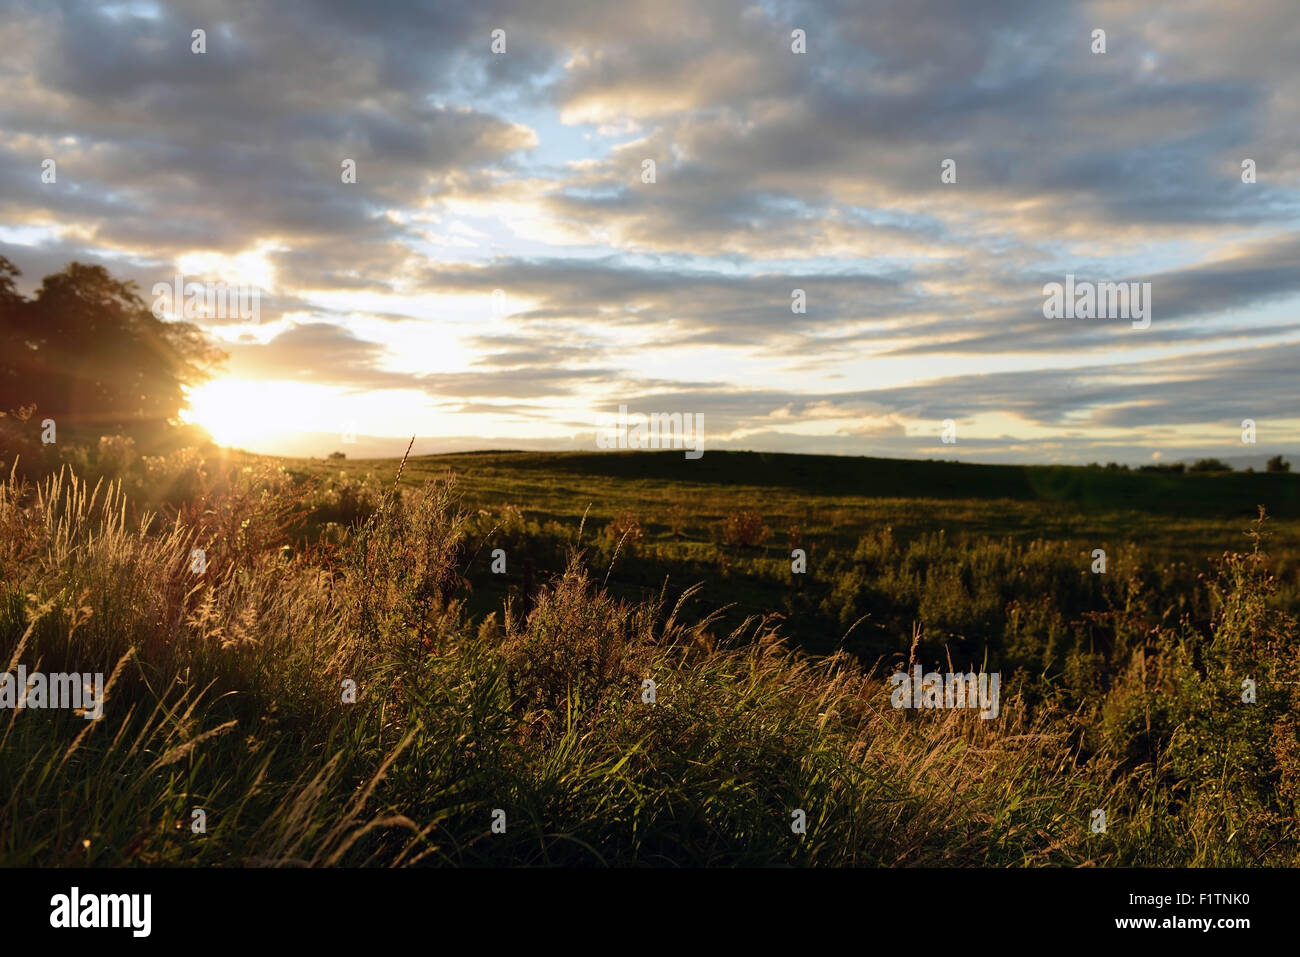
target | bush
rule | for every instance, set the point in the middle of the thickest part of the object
(115, 454)
(677, 520)
(21, 446)
(624, 532)
(744, 528)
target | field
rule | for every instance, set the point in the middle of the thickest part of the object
(645, 678)
(938, 513)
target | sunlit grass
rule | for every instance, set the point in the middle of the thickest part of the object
(226, 697)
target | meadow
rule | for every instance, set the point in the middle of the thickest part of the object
(523, 690)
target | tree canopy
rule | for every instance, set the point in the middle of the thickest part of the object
(86, 350)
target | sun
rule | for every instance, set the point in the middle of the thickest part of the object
(235, 412)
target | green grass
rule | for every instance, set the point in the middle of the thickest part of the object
(480, 692)
(1195, 510)
(917, 521)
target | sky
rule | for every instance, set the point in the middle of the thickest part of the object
(503, 273)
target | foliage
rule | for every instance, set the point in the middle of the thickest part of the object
(88, 352)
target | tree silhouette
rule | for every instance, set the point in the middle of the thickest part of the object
(87, 351)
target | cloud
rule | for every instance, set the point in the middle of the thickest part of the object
(775, 171)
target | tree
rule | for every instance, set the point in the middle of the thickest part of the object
(86, 350)
(1210, 465)
(1278, 464)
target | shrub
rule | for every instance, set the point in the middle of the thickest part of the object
(115, 454)
(744, 528)
(676, 520)
(624, 532)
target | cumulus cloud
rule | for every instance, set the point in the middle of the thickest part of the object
(774, 171)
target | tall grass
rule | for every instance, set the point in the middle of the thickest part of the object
(227, 695)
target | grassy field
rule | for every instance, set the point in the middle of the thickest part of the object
(1156, 524)
(524, 691)
(838, 497)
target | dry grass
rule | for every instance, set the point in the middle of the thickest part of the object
(226, 696)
